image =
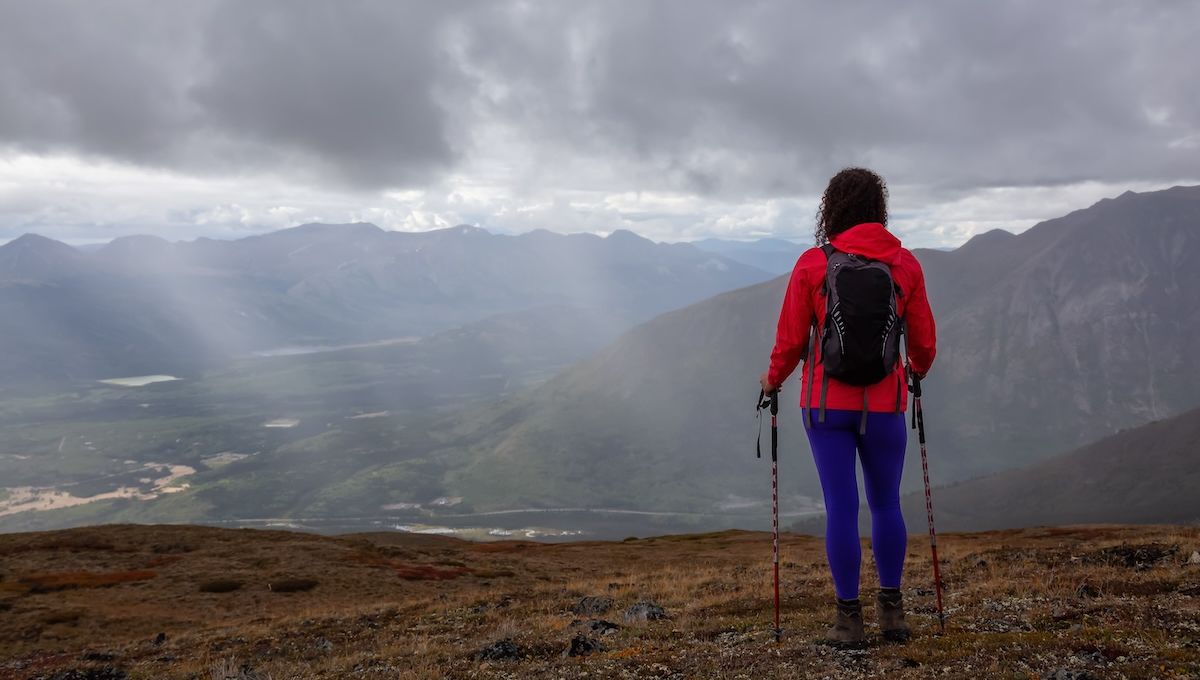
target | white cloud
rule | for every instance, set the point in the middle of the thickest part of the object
(88, 201)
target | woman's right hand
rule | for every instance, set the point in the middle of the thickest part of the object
(766, 385)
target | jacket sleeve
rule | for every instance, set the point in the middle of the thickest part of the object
(795, 319)
(922, 332)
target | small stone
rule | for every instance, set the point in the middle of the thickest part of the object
(645, 610)
(103, 673)
(582, 645)
(602, 627)
(501, 650)
(1195, 558)
(1068, 674)
(323, 645)
(592, 606)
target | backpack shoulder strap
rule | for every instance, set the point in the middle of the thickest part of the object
(829, 251)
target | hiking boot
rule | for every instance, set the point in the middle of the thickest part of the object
(847, 630)
(891, 616)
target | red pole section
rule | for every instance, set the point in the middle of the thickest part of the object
(775, 519)
(937, 570)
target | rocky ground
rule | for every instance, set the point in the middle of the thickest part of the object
(118, 602)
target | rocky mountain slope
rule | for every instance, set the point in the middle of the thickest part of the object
(1145, 474)
(1048, 339)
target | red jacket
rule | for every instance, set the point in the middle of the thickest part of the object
(803, 303)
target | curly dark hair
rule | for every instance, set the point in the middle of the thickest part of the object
(854, 196)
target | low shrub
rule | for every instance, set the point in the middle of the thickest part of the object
(425, 572)
(172, 548)
(162, 561)
(61, 616)
(293, 585)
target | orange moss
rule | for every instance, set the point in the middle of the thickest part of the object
(69, 580)
(627, 653)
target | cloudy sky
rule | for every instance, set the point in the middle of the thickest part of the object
(678, 120)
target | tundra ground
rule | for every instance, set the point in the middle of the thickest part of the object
(125, 601)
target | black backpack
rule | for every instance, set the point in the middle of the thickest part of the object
(861, 341)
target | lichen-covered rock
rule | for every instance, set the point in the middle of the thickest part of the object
(645, 610)
(582, 645)
(501, 650)
(592, 606)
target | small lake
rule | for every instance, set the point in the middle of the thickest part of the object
(296, 350)
(282, 423)
(139, 380)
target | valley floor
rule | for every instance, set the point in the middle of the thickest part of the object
(124, 601)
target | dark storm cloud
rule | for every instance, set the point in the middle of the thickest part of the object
(777, 95)
(351, 91)
(742, 99)
(367, 91)
(102, 82)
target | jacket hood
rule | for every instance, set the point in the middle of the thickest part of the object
(869, 239)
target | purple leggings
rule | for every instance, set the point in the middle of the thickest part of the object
(881, 449)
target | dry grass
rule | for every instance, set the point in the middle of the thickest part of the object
(1021, 604)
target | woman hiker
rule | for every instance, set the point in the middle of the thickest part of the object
(845, 417)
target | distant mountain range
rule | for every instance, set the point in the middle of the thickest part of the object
(769, 254)
(141, 304)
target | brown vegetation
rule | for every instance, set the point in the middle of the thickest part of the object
(1104, 601)
(70, 580)
(293, 585)
(221, 585)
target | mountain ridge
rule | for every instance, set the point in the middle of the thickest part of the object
(154, 306)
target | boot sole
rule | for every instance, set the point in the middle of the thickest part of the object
(898, 637)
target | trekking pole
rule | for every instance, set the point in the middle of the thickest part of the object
(771, 401)
(919, 425)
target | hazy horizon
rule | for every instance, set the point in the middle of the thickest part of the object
(804, 240)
